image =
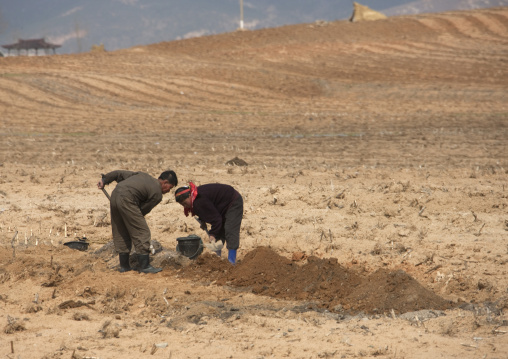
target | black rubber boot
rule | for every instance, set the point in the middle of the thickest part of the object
(124, 263)
(144, 264)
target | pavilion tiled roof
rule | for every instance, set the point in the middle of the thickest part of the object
(31, 44)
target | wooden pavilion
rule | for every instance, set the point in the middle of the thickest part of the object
(31, 44)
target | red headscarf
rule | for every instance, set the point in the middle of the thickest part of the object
(193, 194)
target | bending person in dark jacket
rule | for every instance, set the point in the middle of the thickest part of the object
(221, 206)
(135, 195)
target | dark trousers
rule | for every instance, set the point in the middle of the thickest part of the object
(128, 224)
(232, 223)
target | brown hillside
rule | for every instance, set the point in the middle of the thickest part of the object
(374, 158)
(460, 55)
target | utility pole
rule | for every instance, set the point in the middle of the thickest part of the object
(78, 35)
(241, 14)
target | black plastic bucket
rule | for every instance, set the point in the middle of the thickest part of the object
(81, 244)
(190, 246)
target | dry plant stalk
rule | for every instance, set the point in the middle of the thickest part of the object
(12, 245)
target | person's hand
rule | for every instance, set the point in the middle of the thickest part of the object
(219, 245)
(215, 246)
(212, 239)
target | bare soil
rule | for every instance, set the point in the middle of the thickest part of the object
(373, 162)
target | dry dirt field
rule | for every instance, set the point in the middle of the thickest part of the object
(376, 193)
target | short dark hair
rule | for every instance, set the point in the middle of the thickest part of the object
(181, 194)
(169, 176)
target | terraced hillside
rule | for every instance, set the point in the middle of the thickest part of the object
(453, 62)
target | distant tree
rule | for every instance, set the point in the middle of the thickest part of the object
(97, 48)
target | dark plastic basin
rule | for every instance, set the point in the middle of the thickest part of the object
(80, 245)
(190, 246)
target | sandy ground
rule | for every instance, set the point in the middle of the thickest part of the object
(375, 193)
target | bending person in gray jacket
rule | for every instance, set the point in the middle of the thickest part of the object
(134, 196)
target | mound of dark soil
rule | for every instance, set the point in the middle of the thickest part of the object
(321, 281)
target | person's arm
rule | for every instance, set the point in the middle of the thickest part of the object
(118, 176)
(207, 212)
(147, 206)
